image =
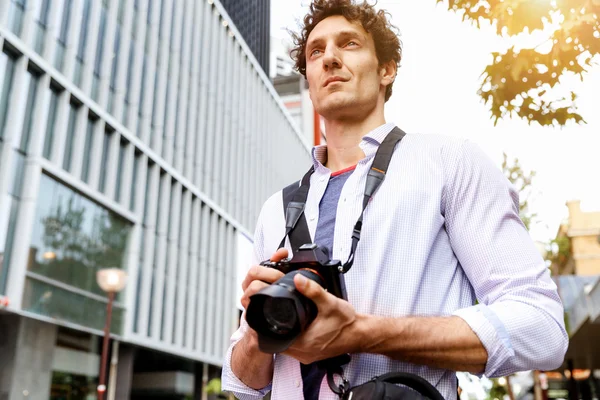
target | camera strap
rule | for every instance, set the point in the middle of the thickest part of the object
(295, 196)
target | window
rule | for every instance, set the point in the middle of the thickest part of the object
(83, 35)
(114, 68)
(99, 51)
(70, 137)
(103, 166)
(7, 67)
(23, 139)
(134, 178)
(65, 14)
(73, 237)
(41, 14)
(122, 155)
(16, 10)
(87, 150)
(49, 137)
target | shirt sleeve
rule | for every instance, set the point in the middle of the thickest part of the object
(229, 381)
(520, 317)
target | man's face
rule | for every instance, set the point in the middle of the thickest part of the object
(343, 73)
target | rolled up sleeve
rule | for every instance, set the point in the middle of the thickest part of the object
(519, 318)
(230, 382)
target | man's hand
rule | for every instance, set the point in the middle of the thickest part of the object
(248, 363)
(336, 329)
(260, 277)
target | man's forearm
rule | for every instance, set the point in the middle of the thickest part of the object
(250, 365)
(442, 342)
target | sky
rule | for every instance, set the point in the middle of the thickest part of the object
(436, 92)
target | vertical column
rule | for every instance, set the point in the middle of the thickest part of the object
(184, 89)
(202, 129)
(211, 132)
(28, 349)
(192, 120)
(172, 267)
(192, 282)
(107, 52)
(90, 46)
(123, 57)
(79, 141)
(125, 375)
(73, 36)
(202, 278)
(112, 163)
(173, 84)
(155, 104)
(149, 246)
(96, 153)
(184, 266)
(136, 83)
(161, 255)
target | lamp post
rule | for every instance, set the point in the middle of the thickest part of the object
(112, 281)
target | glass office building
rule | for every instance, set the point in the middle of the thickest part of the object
(134, 134)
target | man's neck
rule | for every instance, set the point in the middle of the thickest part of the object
(343, 139)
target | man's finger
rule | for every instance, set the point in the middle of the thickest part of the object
(279, 255)
(309, 288)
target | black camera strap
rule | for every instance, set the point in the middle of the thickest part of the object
(295, 196)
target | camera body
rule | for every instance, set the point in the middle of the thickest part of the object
(279, 313)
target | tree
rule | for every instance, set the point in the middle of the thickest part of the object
(522, 183)
(519, 82)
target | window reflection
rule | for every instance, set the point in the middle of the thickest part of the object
(74, 237)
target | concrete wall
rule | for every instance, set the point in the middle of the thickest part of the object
(26, 346)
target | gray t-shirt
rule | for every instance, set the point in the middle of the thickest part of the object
(311, 374)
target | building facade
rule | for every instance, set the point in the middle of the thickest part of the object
(253, 20)
(135, 134)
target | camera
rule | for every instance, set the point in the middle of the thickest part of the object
(279, 313)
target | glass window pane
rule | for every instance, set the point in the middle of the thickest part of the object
(29, 114)
(87, 151)
(70, 138)
(49, 137)
(46, 299)
(7, 67)
(73, 237)
(122, 152)
(105, 150)
(134, 181)
(84, 30)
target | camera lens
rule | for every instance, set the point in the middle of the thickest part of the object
(280, 314)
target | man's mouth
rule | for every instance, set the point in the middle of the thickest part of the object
(333, 79)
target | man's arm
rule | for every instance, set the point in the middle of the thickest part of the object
(251, 366)
(518, 324)
(441, 342)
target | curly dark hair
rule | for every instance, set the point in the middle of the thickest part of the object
(387, 44)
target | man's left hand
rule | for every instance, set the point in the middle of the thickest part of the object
(334, 331)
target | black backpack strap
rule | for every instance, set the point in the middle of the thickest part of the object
(294, 201)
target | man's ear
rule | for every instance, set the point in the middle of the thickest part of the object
(387, 72)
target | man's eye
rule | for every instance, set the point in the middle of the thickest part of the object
(352, 43)
(315, 52)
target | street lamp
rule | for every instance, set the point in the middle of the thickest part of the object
(112, 281)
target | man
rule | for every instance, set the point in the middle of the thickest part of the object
(441, 232)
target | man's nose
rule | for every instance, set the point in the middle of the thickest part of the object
(331, 58)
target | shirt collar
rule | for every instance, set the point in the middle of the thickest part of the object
(369, 144)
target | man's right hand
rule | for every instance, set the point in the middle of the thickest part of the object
(260, 277)
(248, 363)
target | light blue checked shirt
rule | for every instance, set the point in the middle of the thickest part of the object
(442, 231)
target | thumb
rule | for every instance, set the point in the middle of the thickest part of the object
(309, 288)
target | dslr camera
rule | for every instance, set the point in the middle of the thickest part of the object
(279, 313)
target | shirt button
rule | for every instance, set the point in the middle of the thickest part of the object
(322, 179)
(297, 382)
(312, 217)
